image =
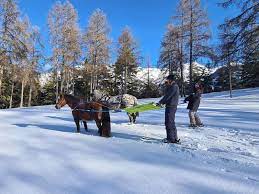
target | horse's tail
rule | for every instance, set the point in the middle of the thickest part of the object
(106, 122)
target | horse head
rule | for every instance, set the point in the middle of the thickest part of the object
(61, 101)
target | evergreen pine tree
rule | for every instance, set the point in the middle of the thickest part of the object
(127, 63)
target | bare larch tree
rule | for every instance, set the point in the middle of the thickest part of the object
(97, 43)
(65, 41)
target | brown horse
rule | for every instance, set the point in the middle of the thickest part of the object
(83, 111)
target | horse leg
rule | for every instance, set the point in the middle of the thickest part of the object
(77, 125)
(106, 123)
(130, 117)
(85, 125)
(99, 125)
(134, 117)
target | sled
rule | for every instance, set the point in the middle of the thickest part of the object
(142, 108)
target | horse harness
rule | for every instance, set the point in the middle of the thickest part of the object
(90, 110)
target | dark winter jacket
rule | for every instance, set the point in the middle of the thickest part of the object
(171, 97)
(194, 101)
(189, 99)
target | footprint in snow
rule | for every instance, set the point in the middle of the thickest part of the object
(251, 179)
(216, 150)
(211, 137)
(247, 154)
(254, 142)
(225, 170)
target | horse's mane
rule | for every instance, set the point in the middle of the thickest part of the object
(71, 97)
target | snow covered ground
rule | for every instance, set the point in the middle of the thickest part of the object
(41, 153)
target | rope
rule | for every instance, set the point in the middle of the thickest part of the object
(90, 110)
(103, 105)
(107, 106)
(85, 110)
(75, 107)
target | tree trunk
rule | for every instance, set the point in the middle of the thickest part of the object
(57, 87)
(62, 82)
(191, 66)
(62, 72)
(67, 83)
(73, 87)
(95, 82)
(30, 96)
(182, 81)
(191, 54)
(22, 93)
(230, 80)
(170, 65)
(91, 84)
(11, 97)
(95, 72)
(73, 81)
(182, 56)
(1, 78)
(126, 79)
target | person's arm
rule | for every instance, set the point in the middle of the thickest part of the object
(197, 95)
(187, 99)
(168, 95)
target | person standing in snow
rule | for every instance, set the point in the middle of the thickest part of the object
(193, 106)
(170, 99)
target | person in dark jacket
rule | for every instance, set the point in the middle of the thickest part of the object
(193, 106)
(170, 99)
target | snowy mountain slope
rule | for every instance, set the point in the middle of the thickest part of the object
(199, 68)
(40, 153)
(156, 74)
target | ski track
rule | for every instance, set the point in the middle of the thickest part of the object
(221, 157)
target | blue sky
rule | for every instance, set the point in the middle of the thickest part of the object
(146, 18)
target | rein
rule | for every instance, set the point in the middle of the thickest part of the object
(77, 106)
(91, 110)
(106, 106)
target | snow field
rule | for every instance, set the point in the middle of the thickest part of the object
(41, 153)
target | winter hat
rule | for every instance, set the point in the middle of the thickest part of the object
(170, 77)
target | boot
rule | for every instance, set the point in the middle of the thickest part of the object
(175, 141)
(171, 141)
(192, 125)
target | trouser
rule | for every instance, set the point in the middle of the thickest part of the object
(194, 118)
(171, 131)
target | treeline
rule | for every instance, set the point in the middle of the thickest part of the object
(239, 47)
(20, 55)
(81, 59)
(187, 40)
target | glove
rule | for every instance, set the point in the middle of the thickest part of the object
(158, 104)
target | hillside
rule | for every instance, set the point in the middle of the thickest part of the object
(157, 75)
(41, 153)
